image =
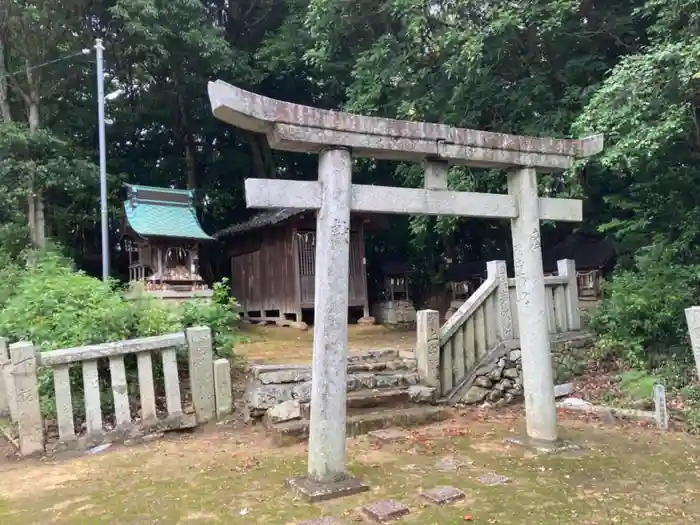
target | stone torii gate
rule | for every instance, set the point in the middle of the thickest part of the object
(337, 137)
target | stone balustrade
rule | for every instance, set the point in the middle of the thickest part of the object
(448, 355)
(209, 387)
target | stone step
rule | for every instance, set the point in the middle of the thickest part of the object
(369, 399)
(261, 397)
(362, 422)
(282, 374)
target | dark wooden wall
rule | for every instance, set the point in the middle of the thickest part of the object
(273, 269)
(264, 278)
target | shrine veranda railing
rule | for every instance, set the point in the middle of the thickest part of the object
(110, 412)
(448, 355)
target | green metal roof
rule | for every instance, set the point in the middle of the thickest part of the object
(155, 214)
(135, 188)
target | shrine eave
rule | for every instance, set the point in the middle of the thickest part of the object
(294, 127)
(163, 220)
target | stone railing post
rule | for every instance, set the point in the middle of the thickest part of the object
(498, 271)
(26, 388)
(200, 358)
(222, 386)
(692, 317)
(428, 347)
(567, 268)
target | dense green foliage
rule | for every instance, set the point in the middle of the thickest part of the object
(220, 315)
(54, 306)
(642, 319)
(628, 69)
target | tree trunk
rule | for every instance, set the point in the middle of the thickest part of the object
(190, 163)
(190, 166)
(268, 159)
(186, 138)
(5, 114)
(37, 219)
(262, 155)
(258, 162)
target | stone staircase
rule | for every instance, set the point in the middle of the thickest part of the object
(383, 391)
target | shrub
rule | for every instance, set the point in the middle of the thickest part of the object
(152, 317)
(10, 275)
(641, 317)
(55, 306)
(220, 315)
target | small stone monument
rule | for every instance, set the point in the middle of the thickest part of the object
(660, 407)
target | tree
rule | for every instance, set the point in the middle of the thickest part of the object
(171, 49)
(524, 68)
(36, 32)
(644, 188)
(68, 179)
(649, 109)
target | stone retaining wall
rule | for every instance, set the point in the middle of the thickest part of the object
(271, 385)
(499, 380)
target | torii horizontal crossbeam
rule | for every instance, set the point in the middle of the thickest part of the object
(293, 127)
(275, 193)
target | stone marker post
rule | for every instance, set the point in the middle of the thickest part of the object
(538, 380)
(567, 268)
(505, 315)
(660, 407)
(692, 316)
(29, 421)
(201, 367)
(428, 347)
(222, 388)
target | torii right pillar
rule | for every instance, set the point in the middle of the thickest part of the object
(538, 378)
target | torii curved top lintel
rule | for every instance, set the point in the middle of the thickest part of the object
(294, 127)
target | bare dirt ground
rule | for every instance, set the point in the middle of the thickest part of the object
(624, 474)
(273, 344)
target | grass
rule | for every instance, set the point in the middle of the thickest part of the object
(638, 384)
(273, 344)
(624, 475)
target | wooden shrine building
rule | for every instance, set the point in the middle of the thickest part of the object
(273, 265)
(395, 305)
(162, 236)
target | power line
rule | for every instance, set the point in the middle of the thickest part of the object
(61, 59)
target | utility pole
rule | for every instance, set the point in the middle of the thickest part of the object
(99, 48)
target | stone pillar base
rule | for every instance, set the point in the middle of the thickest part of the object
(543, 447)
(313, 491)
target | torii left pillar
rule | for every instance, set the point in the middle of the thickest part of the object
(327, 475)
